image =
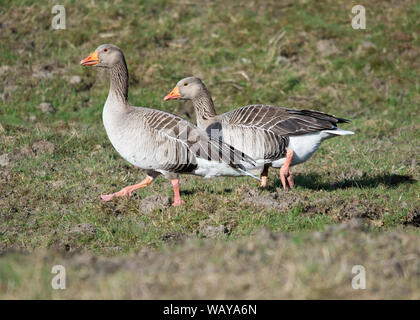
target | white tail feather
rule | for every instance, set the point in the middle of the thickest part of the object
(339, 132)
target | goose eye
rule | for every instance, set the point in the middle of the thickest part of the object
(105, 50)
(185, 84)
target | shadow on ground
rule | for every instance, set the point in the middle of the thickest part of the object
(314, 181)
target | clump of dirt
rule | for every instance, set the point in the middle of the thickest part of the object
(5, 177)
(326, 48)
(413, 218)
(75, 79)
(83, 229)
(360, 209)
(213, 232)
(46, 107)
(4, 160)
(366, 47)
(43, 146)
(24, 152)
(177, 237)
(66, 244)
(46, 70)
(8, 92)
(379, 85)
(111, 208)
(4, 70)
(8, 159)
(154, 202)
(322, 206)
(412, 55)
(402, 36)
(80, 84)
(279, 201)
(341, 210)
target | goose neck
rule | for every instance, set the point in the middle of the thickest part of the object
(119, 83)
(204, 107)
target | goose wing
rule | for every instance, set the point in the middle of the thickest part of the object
(266, 129)
(281, 121)
(184, 142)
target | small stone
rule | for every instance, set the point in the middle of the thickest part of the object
(46, 107)
(1, 129)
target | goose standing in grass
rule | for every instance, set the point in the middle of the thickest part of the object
(271, 135)
(157, 141)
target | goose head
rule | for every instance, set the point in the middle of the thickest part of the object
(186, 89)
(106, 56)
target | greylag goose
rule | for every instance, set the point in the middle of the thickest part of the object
(157, 141)
(271, 135)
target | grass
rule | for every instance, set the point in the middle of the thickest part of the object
(258, 52)
(313, 266)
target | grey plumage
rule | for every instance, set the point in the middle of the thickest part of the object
(155, 140)
(264, 132)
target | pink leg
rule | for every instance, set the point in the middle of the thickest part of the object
(264, 177)
(127, 191)
(290, 180)
(285, 174)
(177, 195)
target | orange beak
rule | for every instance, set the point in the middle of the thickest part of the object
(91, 59)
(174, 94)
